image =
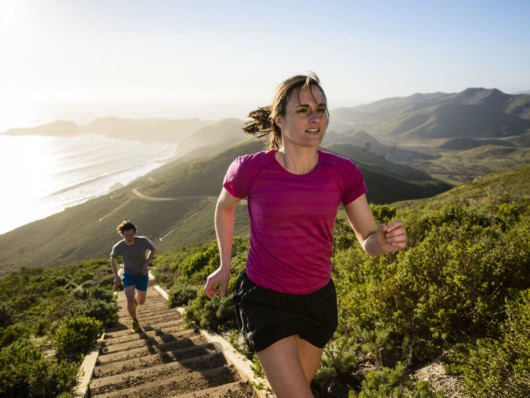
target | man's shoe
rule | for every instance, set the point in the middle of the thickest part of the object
(135, 328)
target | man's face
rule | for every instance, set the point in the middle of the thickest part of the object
(128, 235)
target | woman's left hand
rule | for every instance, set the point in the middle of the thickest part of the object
(392, 237)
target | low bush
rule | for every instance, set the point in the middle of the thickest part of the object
(75, 336)
(217, 314)
(180, 295)
(25, 372)
(394, 382)
(499, 368)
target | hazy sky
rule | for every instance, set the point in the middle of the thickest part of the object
(77, 60)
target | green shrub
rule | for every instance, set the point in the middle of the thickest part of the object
(217, 314)
(499, 368)
(6, 317)
(200, 264)
(24, 372)
(385, 382)
(340, 366)
(383, 214)
(75, 336)
(101, 310)
(181, 294)
(455, 285)
(13, 332)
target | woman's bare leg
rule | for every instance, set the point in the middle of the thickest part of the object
(310, 357)
(285, 371)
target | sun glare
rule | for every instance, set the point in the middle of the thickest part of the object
(12, 15)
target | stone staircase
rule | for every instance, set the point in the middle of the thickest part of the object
(165, 359)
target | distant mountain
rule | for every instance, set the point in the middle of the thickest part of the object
(222, 134)
(174, 205)
(158, 129)
(56, 128)
(473, 113)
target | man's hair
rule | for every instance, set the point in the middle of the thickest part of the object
(125, 225)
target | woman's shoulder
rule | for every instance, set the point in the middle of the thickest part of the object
(336, 160)
(257, 159)
(257, 156)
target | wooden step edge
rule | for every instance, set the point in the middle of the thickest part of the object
(238, 361)
(86, 370)
(214, 391)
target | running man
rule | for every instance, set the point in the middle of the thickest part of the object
(137, 253)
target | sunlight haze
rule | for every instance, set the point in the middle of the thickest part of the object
(78, 60)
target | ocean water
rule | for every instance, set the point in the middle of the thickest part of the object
(41, 176)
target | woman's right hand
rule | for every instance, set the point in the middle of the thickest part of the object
(217, 282)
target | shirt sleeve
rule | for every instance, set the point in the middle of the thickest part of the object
(115, 252)
(237, 179)
(354, 183)
(150, 245)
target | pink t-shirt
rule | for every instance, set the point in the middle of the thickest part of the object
(292, 217)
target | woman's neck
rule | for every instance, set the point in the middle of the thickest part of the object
(297, 161)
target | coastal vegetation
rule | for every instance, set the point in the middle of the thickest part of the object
(458, 296)
(49, 319)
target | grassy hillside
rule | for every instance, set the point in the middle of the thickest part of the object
(485, 159)
(464, 143)
(508, 183)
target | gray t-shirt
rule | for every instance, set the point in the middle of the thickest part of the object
(133, 256)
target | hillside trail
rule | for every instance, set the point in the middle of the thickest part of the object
(164, 359)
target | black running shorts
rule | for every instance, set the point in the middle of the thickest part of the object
(265, 316)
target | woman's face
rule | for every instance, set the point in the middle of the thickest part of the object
(306, 118)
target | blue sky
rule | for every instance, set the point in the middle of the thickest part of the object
(77, 60)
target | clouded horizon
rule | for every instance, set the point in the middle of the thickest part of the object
(78, 60)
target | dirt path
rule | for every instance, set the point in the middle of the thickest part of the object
(165, 359)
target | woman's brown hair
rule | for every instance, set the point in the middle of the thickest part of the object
(262, 122)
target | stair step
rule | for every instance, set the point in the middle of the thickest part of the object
(238, 389)
(112, 368)
(192, 339)
(186, 381)
(126, 335)
(141, 340)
